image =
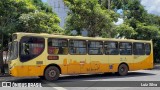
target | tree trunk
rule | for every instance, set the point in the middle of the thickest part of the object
(1, 55)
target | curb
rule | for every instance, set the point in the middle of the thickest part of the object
(5, 75)
(156, 66)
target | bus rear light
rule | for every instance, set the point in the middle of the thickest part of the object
(53, 57)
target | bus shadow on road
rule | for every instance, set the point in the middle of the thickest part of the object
(102, 76)
(88, 77)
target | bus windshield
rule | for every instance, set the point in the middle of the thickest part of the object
(13, 50)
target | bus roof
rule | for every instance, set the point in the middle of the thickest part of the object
(45, 35)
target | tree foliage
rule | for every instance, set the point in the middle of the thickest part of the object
(88, 15)
(98, 17)
(13, 12)
(147, 32)
(10, 11)
(144, 25)
(27, 16)
(39, 22)
(125, 30)
(42, 6)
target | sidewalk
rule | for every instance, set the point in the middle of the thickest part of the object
(4, 75)
(157, 66)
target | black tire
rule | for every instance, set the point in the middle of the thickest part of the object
(52, 73)
(123, 70)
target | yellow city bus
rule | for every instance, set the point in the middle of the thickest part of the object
(48, 55)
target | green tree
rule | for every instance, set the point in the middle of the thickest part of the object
(10, 10)
(88, 15)
(125, 31)
(13, 12)
(42, 6)
(156, 49)
(39, 22)
(144, 25)
(25, 16)
(146, 32)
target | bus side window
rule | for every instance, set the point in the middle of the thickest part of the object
(147, 48)
(138, 49)
(95, 47)
(65, 50)
(111, 48)
(125, 48)
(57, 46)
(78, 47)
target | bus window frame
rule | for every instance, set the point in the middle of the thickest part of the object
(127, 48)
(105, 48)
(149, 47)
(95, 47)
(57, 46)
(143, 48)
(78, 47)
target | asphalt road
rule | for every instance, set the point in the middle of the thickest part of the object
(92, 82)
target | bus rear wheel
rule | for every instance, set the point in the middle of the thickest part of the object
(123, 70)
(52, 73)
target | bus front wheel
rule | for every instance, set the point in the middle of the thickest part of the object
(123, 70)
(52, 73)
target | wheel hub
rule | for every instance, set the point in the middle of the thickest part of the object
(52, 73)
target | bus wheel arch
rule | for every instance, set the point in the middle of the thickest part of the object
(52, 70)
(123, 69)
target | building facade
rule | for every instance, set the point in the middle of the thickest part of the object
(60, 9)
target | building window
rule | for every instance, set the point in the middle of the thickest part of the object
(147, 48)
(95, 47)
(78, 47)
(111, 48)
(57, 46)
(125, 48)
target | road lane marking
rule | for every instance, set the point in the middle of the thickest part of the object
(59, 88)
(56, 87)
